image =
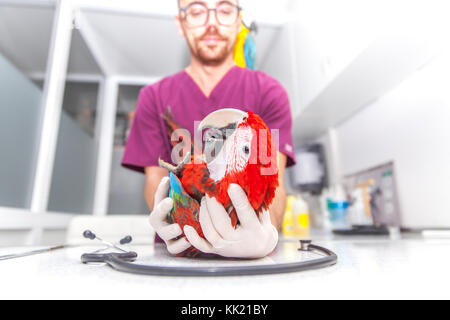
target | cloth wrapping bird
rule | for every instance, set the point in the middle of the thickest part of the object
(238, 150)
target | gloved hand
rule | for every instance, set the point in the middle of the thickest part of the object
(253, 238)
(158, 220)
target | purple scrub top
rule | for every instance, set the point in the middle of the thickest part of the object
(240, 88)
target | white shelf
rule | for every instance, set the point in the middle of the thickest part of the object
(21, 219)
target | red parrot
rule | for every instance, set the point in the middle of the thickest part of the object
(238, 150)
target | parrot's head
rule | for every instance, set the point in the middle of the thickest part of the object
(239, 149)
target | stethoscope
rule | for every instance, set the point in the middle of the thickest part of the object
(99, 257)
(124, 261)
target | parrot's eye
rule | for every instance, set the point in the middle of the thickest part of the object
(246, 150)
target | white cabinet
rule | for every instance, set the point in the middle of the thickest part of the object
(350, 53)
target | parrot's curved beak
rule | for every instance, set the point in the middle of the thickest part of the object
(222, 118)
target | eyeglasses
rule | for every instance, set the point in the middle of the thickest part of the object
(197, 14)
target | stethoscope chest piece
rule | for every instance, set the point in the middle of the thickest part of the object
(99, 257)
(104, 257)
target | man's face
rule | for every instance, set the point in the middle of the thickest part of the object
(211, 43)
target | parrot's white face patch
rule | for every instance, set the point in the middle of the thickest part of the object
(234, 155)
(239, 149)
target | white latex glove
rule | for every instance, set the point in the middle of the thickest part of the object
(158, 220)
(253, 238)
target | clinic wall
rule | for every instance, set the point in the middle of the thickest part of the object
(296, 62)
(73, 179)
(278, 63)
(126, 196)
(409, 125)
(20, 119)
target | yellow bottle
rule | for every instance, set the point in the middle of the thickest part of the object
(300, 215)
(288, 220)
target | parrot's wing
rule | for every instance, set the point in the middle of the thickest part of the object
(186, 211)
(175, 184)
(250, 52)
(185, 208)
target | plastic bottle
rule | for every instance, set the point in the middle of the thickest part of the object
(338, 206)
(288, 220)
(300, 215)
(325, 213)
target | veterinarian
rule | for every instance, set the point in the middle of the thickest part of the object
(211, 81)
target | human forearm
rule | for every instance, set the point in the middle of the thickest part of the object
(154, 176)
(278, 208)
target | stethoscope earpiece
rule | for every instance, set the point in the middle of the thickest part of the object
(126, 240)
(88, 234)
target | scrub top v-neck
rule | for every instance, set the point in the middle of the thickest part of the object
(196, 88)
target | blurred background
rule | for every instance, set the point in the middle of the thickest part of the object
(368, 83)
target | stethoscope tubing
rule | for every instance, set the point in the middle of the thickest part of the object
(119, 262)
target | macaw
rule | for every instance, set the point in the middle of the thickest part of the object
(245, 156)
(244, 52)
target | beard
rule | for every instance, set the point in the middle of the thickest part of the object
(211, 54)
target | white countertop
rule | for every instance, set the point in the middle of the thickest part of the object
(367, 268)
